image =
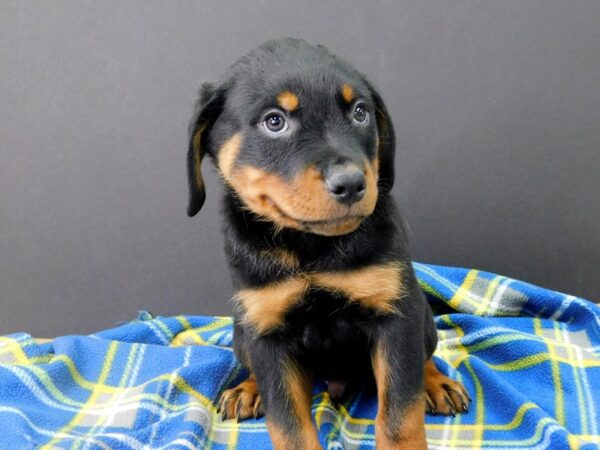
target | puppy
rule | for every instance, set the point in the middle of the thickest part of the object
(324, 285)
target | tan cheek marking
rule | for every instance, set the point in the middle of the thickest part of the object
(253, 184)
(375, 169)
(304, 198)
(310, 189)
(371, 177)
(347, 93)
(227, 155)
(376, 287)
(312, 201)
(265, 307)
(288, 100)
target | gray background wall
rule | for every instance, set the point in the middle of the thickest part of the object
(496, 107)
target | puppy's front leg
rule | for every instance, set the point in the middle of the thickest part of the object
(285, 389)
(398, 365)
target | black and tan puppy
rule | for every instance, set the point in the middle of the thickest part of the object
(325, 288)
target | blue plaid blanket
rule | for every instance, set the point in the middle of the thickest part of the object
(530, 357)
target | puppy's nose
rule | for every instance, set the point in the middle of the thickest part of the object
(346, 183)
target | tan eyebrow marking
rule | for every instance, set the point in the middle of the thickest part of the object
(347, 93)
(288, 100)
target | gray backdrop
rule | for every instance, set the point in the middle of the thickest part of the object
(496, 106)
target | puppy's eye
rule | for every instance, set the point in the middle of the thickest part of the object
(275, 123)
(360, 115)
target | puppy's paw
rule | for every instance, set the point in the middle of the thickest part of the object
(241, 402)
(444, 395)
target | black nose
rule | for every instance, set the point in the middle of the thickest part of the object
(346, 183)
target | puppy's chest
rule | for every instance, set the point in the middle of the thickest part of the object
(331, 335)
(305, 296)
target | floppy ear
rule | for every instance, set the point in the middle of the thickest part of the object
(386, 143)
(209, 107)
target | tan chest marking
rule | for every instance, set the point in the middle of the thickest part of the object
(265, 307)
(375, 287)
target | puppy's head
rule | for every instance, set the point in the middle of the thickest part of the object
(298, 135)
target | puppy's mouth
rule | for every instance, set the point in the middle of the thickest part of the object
(329, 226)
(303, 203)
(314, 222)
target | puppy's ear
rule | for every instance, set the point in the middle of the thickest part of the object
(386, 143)
(208, 109)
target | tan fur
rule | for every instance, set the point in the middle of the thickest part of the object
(410, 433)
(380, 372)
(377, 287)
(412, 429)
(280, 438)
(281, 257)
(241, 402)
(288, 100)
(347, 93)
(303, 203)
(265, 307)
(375, 165)
(227, 155)
(198, 155)
(444, 395)
(298, 388)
